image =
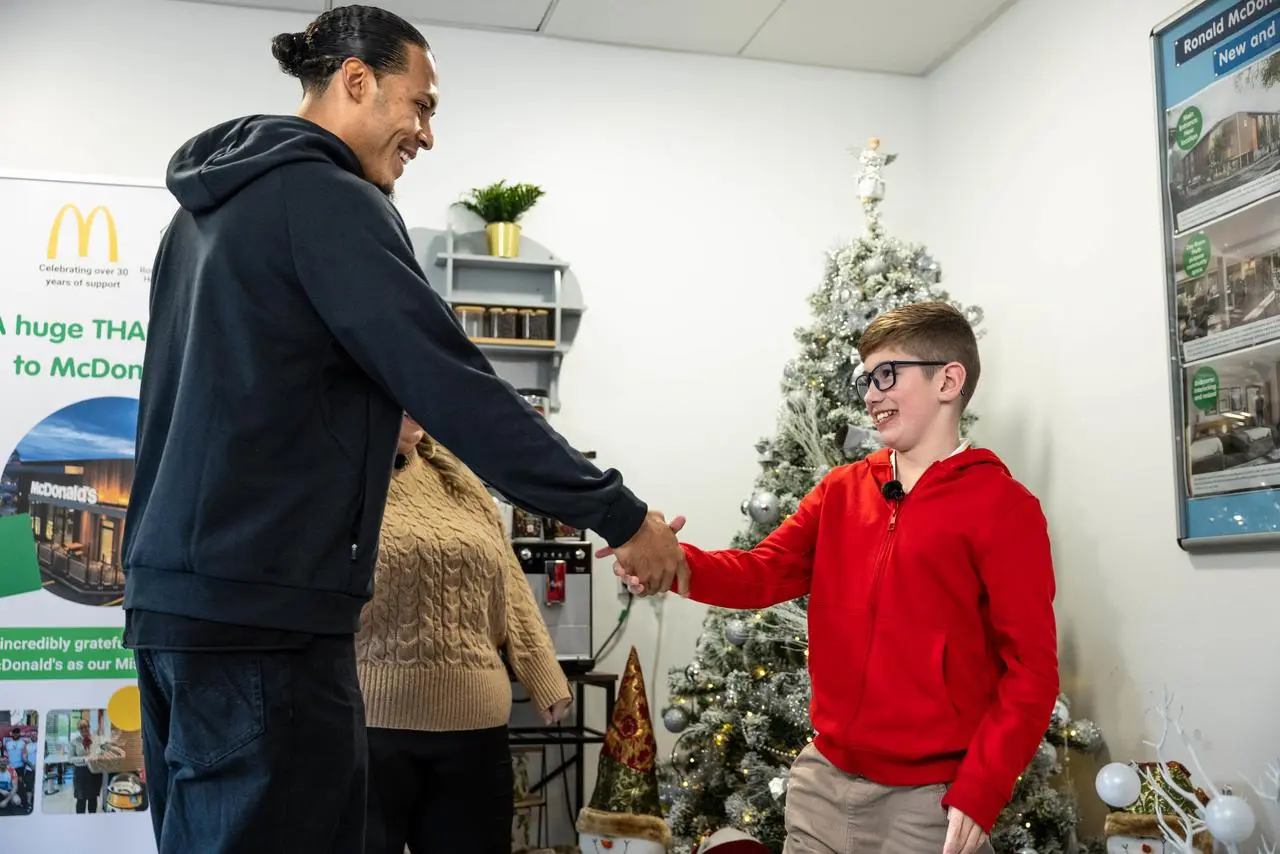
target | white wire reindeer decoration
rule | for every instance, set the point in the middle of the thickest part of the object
(1227, 817)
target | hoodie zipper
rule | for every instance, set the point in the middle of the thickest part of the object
(882, 560)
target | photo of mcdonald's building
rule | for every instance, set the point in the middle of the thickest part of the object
(71, 476)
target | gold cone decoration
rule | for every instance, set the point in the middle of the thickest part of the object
(625, 801)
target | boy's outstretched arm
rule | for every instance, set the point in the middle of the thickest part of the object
(1016, 565)
(777, 570)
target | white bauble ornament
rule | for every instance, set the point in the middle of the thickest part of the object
(1230, 819)
(1117, 784)
(590, 843)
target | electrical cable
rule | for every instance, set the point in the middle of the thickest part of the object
(622, 619)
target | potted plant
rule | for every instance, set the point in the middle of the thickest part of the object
(501, 206)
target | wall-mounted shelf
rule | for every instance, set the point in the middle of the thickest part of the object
(489, 262)
(460, 269)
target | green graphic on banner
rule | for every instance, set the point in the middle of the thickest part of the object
(19, 569)
(1190, 124)
(65, 653)
(1204, 388)
(1195, 257)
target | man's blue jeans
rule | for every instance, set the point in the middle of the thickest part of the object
(255, 752)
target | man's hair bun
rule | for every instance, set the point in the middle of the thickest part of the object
(287, 49)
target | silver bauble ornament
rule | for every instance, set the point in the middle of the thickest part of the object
(874, 266)
(675, 719)
(1086, 736)
(1061, 712)
(737, 632)
(1046, 757)
(764, 509)
(854, 439)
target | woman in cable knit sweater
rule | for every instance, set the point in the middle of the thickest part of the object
(448, 596)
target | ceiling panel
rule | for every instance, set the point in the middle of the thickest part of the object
(313, 6)
(499, 14)
(705, 26)
(903, 36)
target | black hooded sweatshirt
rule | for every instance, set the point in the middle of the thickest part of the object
(291, 326)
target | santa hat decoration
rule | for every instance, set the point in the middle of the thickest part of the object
(625, 802)
(728, 840)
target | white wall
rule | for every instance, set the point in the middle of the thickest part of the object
(695, 197)
(1047, 213)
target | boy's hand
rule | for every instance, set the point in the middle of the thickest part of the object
(634, 584)
(964, 836)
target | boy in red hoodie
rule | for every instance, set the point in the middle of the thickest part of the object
(932, 637)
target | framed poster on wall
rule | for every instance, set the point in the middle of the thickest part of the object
(1217, 75)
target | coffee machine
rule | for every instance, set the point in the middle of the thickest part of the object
(557, 563)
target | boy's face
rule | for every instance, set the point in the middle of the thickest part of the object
(911, 404)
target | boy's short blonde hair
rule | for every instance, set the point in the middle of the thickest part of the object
(929, 331)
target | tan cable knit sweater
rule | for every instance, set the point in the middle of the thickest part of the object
(448, 593)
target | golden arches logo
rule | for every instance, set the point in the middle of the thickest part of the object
(84, 229)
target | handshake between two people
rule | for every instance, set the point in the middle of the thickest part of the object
(652, 560)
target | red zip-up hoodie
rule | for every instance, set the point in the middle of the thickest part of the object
(932, 638)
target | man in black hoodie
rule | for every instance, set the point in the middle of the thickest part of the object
(291, 327)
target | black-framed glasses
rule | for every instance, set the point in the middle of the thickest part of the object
(885, 374)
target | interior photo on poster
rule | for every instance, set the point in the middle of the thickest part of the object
(1228, 283)
(1233, 421)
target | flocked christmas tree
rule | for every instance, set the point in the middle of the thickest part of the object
(741, 707)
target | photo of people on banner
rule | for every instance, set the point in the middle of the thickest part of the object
(19, 735)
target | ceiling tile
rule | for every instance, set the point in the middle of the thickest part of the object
(903, 36)
(313, 6)
(707, 26)
(500, 14)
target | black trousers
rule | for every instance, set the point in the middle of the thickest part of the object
(439, 792)
(255, 752)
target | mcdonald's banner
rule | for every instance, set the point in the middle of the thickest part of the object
(75, 259)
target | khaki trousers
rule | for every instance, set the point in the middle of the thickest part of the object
(831, 812)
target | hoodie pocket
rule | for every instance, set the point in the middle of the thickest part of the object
(358, 538)
(905, 707)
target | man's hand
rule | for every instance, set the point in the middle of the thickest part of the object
(652, 559)
(964, 836)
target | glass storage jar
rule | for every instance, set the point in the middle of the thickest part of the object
(537, 325)
(504, 323)
(472, 319)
